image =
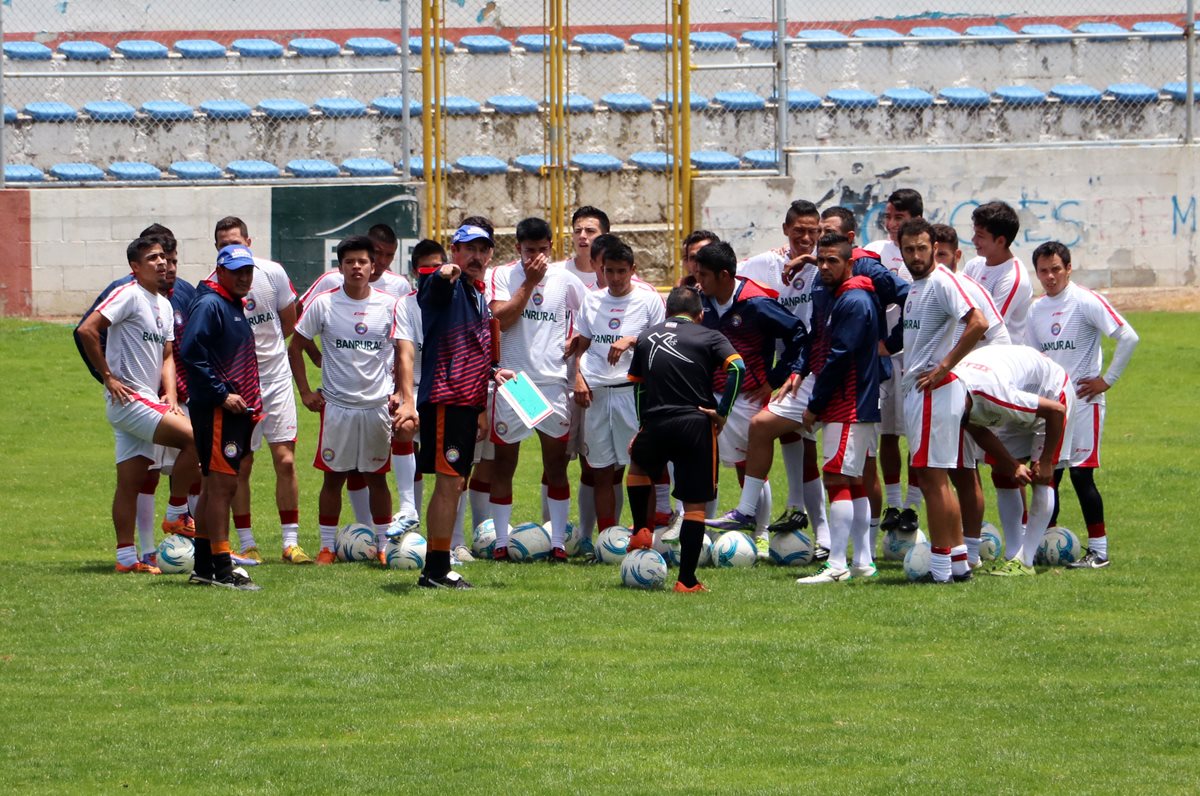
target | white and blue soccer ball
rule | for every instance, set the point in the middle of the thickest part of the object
(176, 555)
(791, 549)
(572, 538)
(1059, 547)
(483, 539)
(706, 547)
(356, 542)
(528, 542)
(991, 543)
(916, 561)
(612, 544)
(666, 544)
(644, 569)
(734, 549)
(406, 552)
(896, 544)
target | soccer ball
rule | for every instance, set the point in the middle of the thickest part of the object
(612, 544)
(528, 542)
(356, 543)
(176, 555)
(572, 540)
(916, 561)
(1059, 547)
(734, 549)
(991, 543)
(896, 544)
(666, 544)
(407, 552)
(643, 569)
(483, 539)
(791, 549)
(706, 556)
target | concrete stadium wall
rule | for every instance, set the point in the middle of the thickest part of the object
(1128, 214)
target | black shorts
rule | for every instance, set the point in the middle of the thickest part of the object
(222, 438)
(447, 438)
(687, 441)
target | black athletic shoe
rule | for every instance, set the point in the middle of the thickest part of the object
(908, 522)
(966, 577)
(890, 520)
(452, 580)
(196, 579)
(791, 519)
(239, 580)
(820, 554)
(1090, 560)
(557, 556)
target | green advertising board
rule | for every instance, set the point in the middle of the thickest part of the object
(308, 221)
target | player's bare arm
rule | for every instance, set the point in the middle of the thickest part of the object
(1005, 464)
(1055, 415)
(169, 392)
(620, 347)
(509, 312)
(1090, 388)
(313, 401)
(976, 327)
(287, 320)
(89, 333)
(234, 403)
(404, 410)
(796, 264)
(450, 272)
(716, 417)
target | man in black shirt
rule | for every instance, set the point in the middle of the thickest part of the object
(679, 419)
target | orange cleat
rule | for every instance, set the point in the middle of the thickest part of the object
(140, 569)
(642, 540)
(184, 526)
(325, 557)
(382, 559)
(681, 589)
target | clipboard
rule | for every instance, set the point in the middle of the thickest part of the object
(525, 399)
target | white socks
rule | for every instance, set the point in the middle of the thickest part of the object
(1011, 510)
(793, 465)
(587, 509)
(360, 504)
(860, 532)
(404, 468)
(1041, 506)
(814, 505)
(751, 498)
(841, 520)
(459, 536)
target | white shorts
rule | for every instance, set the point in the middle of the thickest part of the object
(934, 423)
(1026, 444)
(610, 424)
(971, 455)
(279, 415)
(735, 436)
(134, 424)
(891, 400)
(846, 446)
(164, 457)
(508, 428)
(1087, 428)
(792, 407)
(354, 439)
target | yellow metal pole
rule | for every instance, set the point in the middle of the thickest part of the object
(685, 112)
(556, 132)
(439, 86)
(427, 117)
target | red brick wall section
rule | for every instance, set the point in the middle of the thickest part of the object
(16, 258)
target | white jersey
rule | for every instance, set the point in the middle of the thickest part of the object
(1067, 328)
(588, 278)
(142, 324)
(768, 269)
(1005, 383)
(408, 327)
(935, 306)
(997, 332)
(1012, 291)
(270, 294)
(605, 319)
(389, 282)
(535, 343)
(357, 348)
(891, 259)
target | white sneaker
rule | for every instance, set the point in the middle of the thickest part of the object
(462, 554)
(826, 574)
(869, 571)
(674, 526)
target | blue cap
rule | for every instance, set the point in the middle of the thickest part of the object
(469, 232)
(234, 257)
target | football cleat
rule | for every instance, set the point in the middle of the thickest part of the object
(557, 556)
(150, 558)
(251, 554)
(763, 546)
(1091, 560)
(908, 522)
(642, 540)
(463, 554)
(792, 519)
(294, 554)
(500, 554)
(184, 526)
(237, 580)
(451, 580)
(1012, 568)
(139, 568)
(826, 574)
(681, 589)
(402, 525)
(890, 520)
(732, 520)
(820, 554)
(325, 557)
(241, 560)
(868, 571)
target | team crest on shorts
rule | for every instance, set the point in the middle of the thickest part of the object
(501, 427)
(327, 454)
(538, 298)
(452, 454)
(614, 323)
(250, 304)
(230, 450)
(736, 320)
(1055, 329)
(360, 328)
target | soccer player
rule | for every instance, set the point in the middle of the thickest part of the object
(693, 243)
(1066, 325)
(608, 327)
(361, 390)
(936, 306)
(587, 224)
(458, 363)
(137, 369)
(225, 400)
(532, 304)
(271, 312)
(675, 364)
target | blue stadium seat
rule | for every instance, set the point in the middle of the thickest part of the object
(226, 110)
(934, 32)
(1020, 95)
(652, 42)
(414, 45)
(530, 164)
(1076, 94)
(27, 51)
(485, 45)
(341, 107)
(371, 45)
(652, 161)
(911, 98)
(315, 48)
(461, 106)
(599, 43)
(712, 160)
(481, 165)
(252, 169)
(110, 111)
(85, 51)
(76, 172)
(1159, 28)
(134, 171)
(1133, 93)
(394, 107)
(283, 109)
(999, 34)
(739, 101)
(965, 97)
(50, 112)
(595, 162)
(698, 101)
(142, 50)
(759, 39)
(1178, 91)
(577, 103)
(1051, 34)
(195, 170)
(535, 42)
(10, 114)
(852, 98)
(800, 100)
(762, 159)
(627, 102)
(878, 33)
(712, 40)
(1108, 31)
(257, 48)
(312, 168)
(512, 104)
(416, 166)
(823, 38)
(199, 48)
(19, 172)
(368, 167)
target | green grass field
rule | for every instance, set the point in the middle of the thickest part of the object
(545, 679)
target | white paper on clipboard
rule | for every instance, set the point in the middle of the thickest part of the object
(525, 399)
